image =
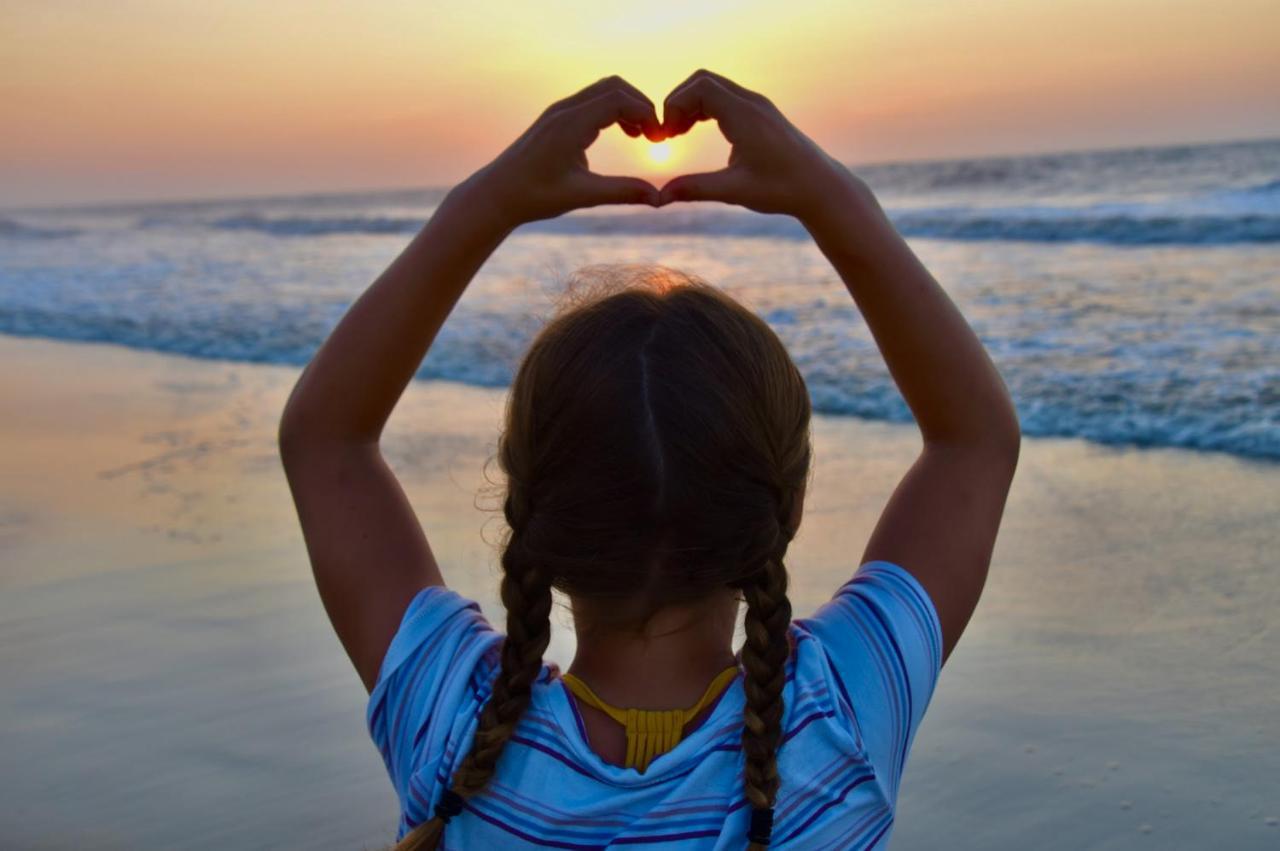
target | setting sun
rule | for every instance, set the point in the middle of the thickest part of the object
(660, 153)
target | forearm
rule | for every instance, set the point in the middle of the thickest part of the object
(938, 363)
(347, 392)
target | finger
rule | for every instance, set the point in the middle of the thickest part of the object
(585, 94)
(613, 107)
(652, 130)
(723, 185)
(698, 100)
(596, 189)
(630, 129)
(737, 88)
(603, 86)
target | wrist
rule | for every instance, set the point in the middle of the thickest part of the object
(845, 212)
(469, 222)
(481, 206)
(835, 191)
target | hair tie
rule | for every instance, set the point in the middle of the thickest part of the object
(761, 825)
(450, 805)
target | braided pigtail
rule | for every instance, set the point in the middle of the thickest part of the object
(764, 656)
(526, 594)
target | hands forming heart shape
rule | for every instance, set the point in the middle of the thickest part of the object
(773, 167)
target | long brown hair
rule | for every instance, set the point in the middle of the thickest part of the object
(656, 443)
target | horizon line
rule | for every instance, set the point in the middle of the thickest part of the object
(108, 204)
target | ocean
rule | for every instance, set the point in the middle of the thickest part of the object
(1128, 297)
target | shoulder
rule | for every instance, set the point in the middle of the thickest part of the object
(436, 616)
(882, 609)
(878, 643)
(437, 672)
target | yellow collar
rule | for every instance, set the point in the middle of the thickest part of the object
(650, 732)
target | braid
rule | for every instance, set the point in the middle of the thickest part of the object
(526, 594)
(764, 656)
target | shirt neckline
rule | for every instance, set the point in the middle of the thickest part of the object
(724, 720)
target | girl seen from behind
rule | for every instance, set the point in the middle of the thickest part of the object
(656, 449)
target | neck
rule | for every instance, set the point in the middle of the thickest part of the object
(669, 666)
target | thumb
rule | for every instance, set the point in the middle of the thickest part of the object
(723, 185)
(598, 189)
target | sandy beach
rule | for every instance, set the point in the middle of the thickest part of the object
(170, 680)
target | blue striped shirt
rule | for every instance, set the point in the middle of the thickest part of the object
(861, 674)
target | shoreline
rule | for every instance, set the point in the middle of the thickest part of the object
(166, 652)
(1263, 461)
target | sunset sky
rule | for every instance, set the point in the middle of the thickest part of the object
(155, 99)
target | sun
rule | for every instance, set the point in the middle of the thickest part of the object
(660, 153)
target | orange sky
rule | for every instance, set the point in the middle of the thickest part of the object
(164, 98)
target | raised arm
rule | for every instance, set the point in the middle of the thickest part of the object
(941, 522)
(367, 549)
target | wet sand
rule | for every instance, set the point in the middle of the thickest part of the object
(170, 680)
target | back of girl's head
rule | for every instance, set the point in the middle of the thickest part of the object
(655, 439)
(655, 446)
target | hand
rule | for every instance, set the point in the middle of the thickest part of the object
(773, 167)
(544, 173)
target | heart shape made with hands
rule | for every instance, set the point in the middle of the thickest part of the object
(762, 144)
(767, 156)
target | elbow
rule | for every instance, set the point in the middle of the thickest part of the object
(1012, 448)
(290, 435)
(1006, 437)
(291, 429)
(1001, 434)
(296, 429)
(995, 437)
(303, 435)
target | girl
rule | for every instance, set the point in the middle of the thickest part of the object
(656, 449)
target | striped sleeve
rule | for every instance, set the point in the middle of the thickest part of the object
(433, 670)
(882, 636)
